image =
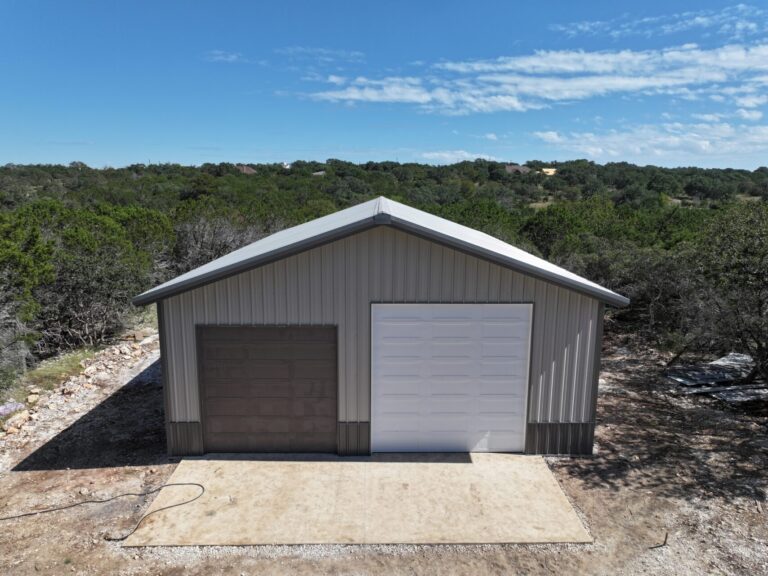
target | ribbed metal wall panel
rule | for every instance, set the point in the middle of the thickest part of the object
(353, 438)
(575, 439)
(336, 283)
(184, 438)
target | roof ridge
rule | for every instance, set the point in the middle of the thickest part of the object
(383, 205)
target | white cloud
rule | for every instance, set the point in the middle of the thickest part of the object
(321, 56)
(734, 22)
(334, 79)
(687, 58)
(752, 100)
(491, 136)
(737, 73)
(403, 90)
(711, 117)
(675, 141)
(224, 56)
(453, 156)
(549, 136)
(749, 114)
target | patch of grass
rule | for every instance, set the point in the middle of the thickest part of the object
(747, 198)
(47, 375)
(145, 317)
(541, 205)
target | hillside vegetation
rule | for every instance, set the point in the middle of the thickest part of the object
(688, 245)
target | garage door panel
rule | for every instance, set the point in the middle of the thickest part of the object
(400, 385)
(214, 353)
(223, 388)
(250, 406)
(230, 424)
(314, 369)
(245, 368)
(453, 423)
(496, 367)
(270, 442)
(250, 442)
(454, 348)
(315, 387)
(500, 348)
(500, 405)
(229, 370)
(439, 368)
(314, 407)
(399, 349)
(501, 330)
(449, 385)
(453, 404)
(401, 422)
(268, 388)
(393, 368)
(291, 350)
(447, 330)
(287, 406)
(257, 388)
(492, 385)
(393, 329)
(393, 440)
(402, 404)
(443, 441)
(466, 372)
(493, 442)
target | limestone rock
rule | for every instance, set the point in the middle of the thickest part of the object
(16, 421)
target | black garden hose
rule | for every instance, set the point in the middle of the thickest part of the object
(104, 501)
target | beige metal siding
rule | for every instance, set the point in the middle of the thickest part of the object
(335, 284)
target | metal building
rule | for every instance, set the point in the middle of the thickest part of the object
(380, 328)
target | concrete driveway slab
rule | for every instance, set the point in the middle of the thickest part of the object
(384, 499)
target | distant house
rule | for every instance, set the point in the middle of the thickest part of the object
(549, 171)
(516, 169)
(319, 173)
(243, 169)
(287, 165)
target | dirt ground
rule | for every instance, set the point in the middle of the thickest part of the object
(685, 470)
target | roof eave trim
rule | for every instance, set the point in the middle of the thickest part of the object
(604, 295)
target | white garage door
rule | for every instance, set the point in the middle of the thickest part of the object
(449, 377)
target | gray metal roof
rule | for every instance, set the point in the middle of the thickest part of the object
(377, 212)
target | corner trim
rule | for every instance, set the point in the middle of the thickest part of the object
(596, 359)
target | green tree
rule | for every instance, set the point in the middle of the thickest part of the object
(730, 301)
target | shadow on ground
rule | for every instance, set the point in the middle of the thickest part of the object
(126, 429)
(682, 447)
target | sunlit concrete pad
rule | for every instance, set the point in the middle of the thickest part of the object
(385, 499)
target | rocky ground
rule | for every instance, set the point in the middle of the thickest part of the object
(677, 486)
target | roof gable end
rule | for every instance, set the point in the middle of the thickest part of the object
(377, 212)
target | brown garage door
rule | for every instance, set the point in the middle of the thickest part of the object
(268, 389)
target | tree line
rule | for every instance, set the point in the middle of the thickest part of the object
(688, 245)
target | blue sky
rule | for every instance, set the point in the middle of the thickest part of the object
(113, 83)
